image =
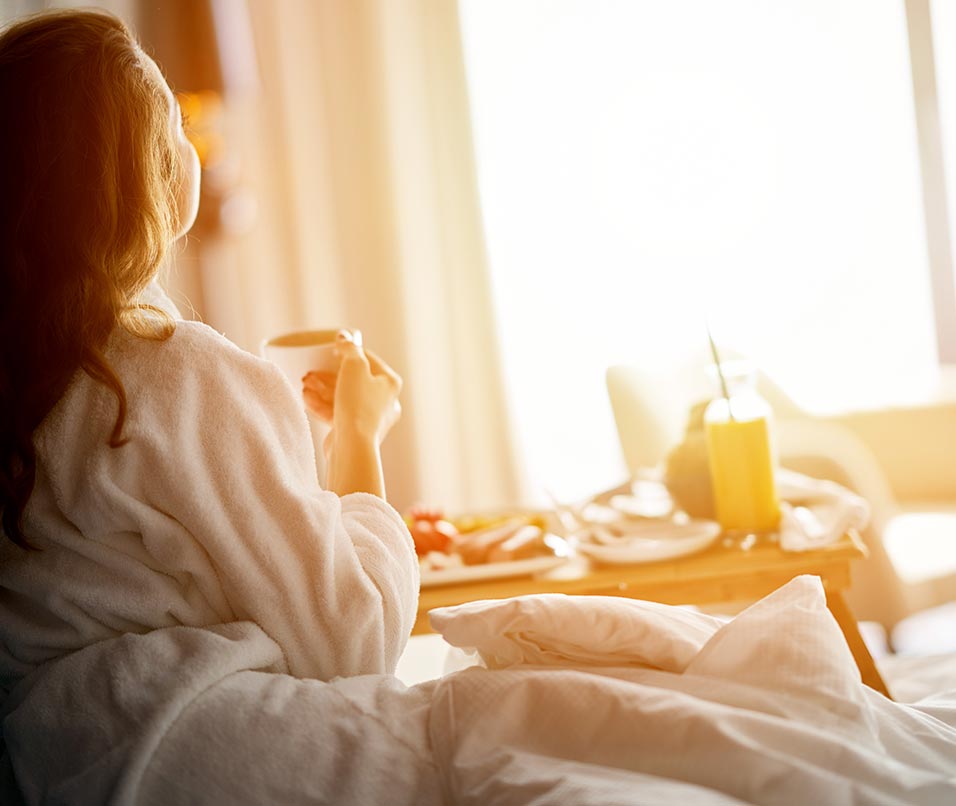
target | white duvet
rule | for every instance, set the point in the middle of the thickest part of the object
(580, 701)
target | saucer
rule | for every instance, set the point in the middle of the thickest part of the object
(646, 542)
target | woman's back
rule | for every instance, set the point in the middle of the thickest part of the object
(210, 513)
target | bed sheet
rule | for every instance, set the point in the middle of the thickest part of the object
(769, 709)
(909, 677)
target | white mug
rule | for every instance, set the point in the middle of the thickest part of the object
(305, 351)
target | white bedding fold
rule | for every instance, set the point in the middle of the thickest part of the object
(769, 710)
(185, 715)
(553, 629)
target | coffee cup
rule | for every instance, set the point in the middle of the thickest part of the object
(303, 351)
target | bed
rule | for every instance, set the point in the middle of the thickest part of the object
(543, 699)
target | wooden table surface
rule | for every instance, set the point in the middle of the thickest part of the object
(719, 574)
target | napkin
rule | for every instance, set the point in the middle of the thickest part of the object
(815, 513)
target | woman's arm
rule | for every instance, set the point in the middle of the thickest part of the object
(361, 404)
(355, 464)
(220, 458)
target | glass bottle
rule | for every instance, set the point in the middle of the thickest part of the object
(741, 455)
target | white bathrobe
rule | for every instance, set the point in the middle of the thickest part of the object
(209, 514)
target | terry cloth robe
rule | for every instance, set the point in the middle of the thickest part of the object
(210, 514)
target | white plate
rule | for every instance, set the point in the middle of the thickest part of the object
(650, 542)
(474, 573)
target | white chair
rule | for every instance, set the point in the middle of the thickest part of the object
(912, 541)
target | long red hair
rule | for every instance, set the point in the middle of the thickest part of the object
(90, 175)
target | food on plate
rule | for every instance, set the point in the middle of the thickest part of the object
(475, 547)
(515, 540)
(430, 531)
(439, 561)
(526, 542)
(442, 543)
(687, 472)
(472, 523)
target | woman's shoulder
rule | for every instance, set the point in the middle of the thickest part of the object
(192, 350)
(193, 388)
(197, 366)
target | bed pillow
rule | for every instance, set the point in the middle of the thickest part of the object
(554, 629)
(788, 641)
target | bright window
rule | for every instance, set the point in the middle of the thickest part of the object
(645, 166)
(943, 20)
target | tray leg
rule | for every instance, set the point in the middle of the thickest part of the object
(868, 671)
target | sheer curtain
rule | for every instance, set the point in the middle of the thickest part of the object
(647, 166)
(357, 147)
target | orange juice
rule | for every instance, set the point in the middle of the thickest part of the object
(742, 467)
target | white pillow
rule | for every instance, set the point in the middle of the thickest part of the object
(553, 629)
(788, 641)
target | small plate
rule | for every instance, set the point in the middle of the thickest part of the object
(650, 542)
(475, 573)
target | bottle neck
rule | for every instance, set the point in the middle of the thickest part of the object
(744, 404)
(739, 385)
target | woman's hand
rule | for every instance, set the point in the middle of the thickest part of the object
(318, 392)
(366, 393)
(361, 404)
(365, 390)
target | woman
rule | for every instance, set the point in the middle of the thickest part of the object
(154, 479)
